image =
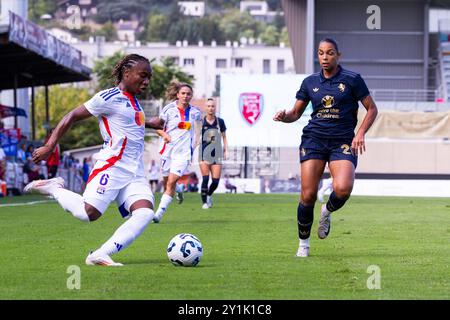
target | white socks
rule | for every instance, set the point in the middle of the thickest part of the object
(127, 232)
(164, 203)
(72, 202)
(304, 242)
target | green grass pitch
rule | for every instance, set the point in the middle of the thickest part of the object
(249, 245)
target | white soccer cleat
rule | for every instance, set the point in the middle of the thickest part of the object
(324, 222)
(205, 206)
(44, 186)
(101, 260)
(209, 201)
(303, 252)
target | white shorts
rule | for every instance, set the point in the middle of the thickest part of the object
(116, 184)
(175, 166)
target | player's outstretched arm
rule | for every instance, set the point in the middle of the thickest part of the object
(358, 143)
(77, 114)
(292, 115)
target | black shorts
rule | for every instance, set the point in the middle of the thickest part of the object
(210, 158)
(327, 149)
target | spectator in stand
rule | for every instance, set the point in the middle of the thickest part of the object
(32, 170)
(85, 173)
(2, 163)
(193, 182)
(230, 187)
(53, 159)
(29, 152)
(21, 154)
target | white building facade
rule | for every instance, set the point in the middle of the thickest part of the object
(204, 63)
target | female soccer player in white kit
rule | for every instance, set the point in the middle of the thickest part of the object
(118, 173)
(180, 136)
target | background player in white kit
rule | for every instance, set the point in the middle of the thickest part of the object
(327, 185)
(180, 136)
(118, 173)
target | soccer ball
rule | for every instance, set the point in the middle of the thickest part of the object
(185, 250)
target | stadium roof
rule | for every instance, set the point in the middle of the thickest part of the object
(32, 57)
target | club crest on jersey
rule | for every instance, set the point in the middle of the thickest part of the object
(251, 106)
(341, 87)
(328, 101)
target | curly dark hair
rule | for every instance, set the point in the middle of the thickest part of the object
(125, 63)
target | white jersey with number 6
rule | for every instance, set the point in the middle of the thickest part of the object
(122, 126)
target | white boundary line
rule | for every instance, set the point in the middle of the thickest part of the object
(24, 203)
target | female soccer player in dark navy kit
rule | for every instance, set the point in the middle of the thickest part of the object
(328, 137)
(212, 153)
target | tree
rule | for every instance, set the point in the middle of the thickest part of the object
(209, 29)
(36, 8)
(121, 9)
(235, 24)
(284, 36)
(270, 36)
(163, 74)
(108, 31)
(156, 27)
(62, 100)
(103, 70)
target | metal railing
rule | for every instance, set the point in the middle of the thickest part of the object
(407, 95)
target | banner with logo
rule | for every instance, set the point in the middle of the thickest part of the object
(31, 36)
(248, 103)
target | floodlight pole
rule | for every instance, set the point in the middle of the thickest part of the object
(47, 117)
(245, 161)
(33, 122)
(15, 100)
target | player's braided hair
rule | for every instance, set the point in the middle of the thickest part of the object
(175, 87)
(125, 63)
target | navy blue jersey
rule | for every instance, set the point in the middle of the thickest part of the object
(211, 133)
(334, 101)
(211, 130)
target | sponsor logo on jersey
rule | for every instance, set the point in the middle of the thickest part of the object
(316, 90)
(328, 101)
(341, 87)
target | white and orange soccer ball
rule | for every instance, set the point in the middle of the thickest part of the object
(185, 250)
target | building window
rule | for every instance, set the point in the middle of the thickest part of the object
(266, 66)
(217, 86)
(280, 66)
(238, 63)
(188, 62)
(221, 63)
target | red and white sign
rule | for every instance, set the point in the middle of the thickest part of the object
(251, 106)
